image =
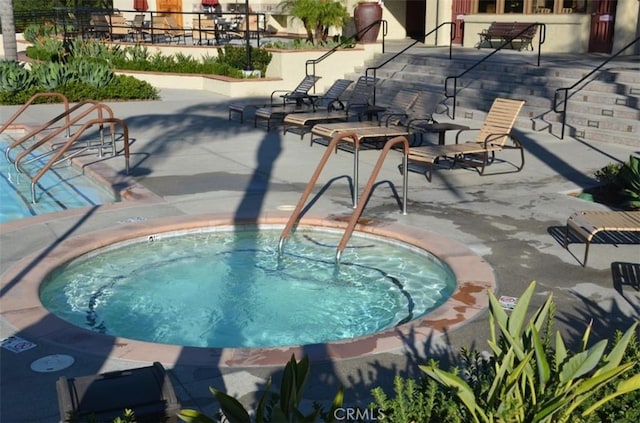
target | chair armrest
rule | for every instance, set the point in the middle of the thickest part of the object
(464, 130)
(283, 92)
(428, 120)
(489, 138)
(386, 117)
(336, 104)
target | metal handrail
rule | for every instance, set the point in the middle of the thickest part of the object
(297, 211)
(566, 90)
(61, 150)
(541, 40)
(369, 187)
(452, 34)
(67, 125)
(29, 102)
(349, 41)
(350, 136)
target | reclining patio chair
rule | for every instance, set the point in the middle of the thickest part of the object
(587, 224)
(297, 95)
(357, 104)
(491, 139)
(405, 108)
(325, 101)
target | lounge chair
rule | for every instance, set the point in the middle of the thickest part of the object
(357, 105)
(587, 224)
(405, 107)
(491, 139)
(326, 101)
(296, 95)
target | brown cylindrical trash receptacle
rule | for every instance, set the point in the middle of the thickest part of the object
(365, 15)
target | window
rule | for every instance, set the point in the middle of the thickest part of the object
(513, 6)
(486, 6)
(530, 6)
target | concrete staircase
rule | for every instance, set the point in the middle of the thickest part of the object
(605, 107)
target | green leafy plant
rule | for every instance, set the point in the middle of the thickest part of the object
(14, 77)
(629, 179)
(424, 401)
(272, 407)
(93, 73)
(49, 75)
(317, 16)
(532, 384)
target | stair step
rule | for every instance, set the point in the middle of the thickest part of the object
(603, 108)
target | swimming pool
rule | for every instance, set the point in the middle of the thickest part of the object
(61, 188)
(228, 288)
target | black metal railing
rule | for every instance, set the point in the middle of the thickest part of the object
(507, 42)
(374, 69)
(76, 21)
(347, 42)
(565, 90)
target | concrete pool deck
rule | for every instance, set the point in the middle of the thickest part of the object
(196, 162)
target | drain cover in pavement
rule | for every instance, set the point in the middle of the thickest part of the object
(16, 344)
(52, 363)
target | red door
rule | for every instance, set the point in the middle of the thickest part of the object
(459, 8)
(602, 24)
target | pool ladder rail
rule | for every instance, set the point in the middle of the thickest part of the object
(58, 153)
(359, 206)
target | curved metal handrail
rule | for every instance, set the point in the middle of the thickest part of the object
(61, 150)
(541, 39)
(452, 34)
(69, 122)
(295, 216)
(566, 90)
(29, 102)
(369, 187)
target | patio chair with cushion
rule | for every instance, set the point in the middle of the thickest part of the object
(120, 28)
(173, 31)
(492, 138)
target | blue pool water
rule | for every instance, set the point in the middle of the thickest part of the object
(228, 288)
(61, 188)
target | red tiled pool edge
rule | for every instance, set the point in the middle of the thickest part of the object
(22, 309)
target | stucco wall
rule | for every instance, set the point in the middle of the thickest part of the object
(564, 33)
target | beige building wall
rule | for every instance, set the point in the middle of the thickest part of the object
(564, 33)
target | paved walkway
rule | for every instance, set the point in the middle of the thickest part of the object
(188, 153)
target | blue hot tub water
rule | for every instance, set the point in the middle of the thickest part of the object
(228, 288)
(61, 188)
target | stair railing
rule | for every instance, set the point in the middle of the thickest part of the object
(29, 102)
(447, 92)
(373, 69)
(94, 106)
(565, 90)
(347, 42)
(353, 220)
(59, 152)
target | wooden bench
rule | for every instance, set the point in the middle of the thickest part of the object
(504, 32)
